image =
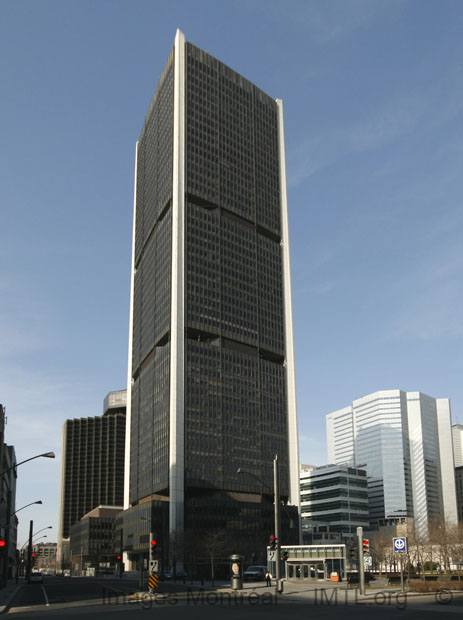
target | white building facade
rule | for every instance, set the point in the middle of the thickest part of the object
(334, 502)
(405, 441)
(457, 436)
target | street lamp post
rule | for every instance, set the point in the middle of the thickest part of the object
(7, 534)
(276, 493)
(35, 536)
(276, 486)
(39, 501)
(47, 455)
(149, 551)
(29, 550)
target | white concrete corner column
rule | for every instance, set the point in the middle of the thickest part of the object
(177, 343)
(293, 439)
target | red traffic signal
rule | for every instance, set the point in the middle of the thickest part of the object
(2, 543)
(153, 544)
(118, 557)
(33, 555)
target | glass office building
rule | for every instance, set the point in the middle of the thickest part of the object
(404, 440)
(211, 362)
(334, 502)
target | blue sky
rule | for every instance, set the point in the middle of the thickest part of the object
(373, 102)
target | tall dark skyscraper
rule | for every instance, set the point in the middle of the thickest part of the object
(92, 466)
(211, 384)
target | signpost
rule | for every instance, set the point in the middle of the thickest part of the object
(271, 555)
(153, 581)
(361, 566)
(399, 545)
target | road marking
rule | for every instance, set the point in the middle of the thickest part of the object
(45, 595)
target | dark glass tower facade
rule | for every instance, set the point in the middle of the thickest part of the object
(211, 363)
(92, 466)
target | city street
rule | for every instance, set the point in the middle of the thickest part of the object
(95, 599)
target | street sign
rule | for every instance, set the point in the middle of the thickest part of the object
(153, 581)
(399, 545)
(154, 566)
(271, 555)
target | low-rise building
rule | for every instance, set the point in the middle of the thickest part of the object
(93, 541)
(334, 502)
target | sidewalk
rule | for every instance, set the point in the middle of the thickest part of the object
(7, 594)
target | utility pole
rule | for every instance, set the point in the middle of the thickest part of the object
(121, 563)
(276, 486)
(29, 550)
(361, 565)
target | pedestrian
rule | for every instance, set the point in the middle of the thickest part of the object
(268, 578)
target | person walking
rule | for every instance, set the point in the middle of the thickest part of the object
(268, 578)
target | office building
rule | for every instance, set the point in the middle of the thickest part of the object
(94, 543)
(8, 519)
(44, 557)
(405, 441)
(92, 467)
(459, 488)
(334, 502)
(211, 385)
(457, 436)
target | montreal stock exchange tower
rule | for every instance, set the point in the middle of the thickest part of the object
(211, 381)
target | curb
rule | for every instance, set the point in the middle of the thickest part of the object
(10, 597)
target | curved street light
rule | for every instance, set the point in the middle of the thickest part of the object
(240, 470)
(47, 455)
(13, 513)
(39, 501)
(49, 527)
(276, 506)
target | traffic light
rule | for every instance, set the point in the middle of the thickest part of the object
(2, 544)
(153, 548)
(273, 543)
(366, 545)
(33, 556)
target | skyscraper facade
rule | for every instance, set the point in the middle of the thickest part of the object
(457, 435)
(92, 466)
(404, 440)
(211, 385)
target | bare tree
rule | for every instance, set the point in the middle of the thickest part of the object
(379, 545)
(418, 547)
(456, 546)
(440, 536)
(215, 544)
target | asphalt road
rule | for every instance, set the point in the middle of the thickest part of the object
(96, 599)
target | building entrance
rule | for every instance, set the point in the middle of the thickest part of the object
(306, 571)
(313, 562)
